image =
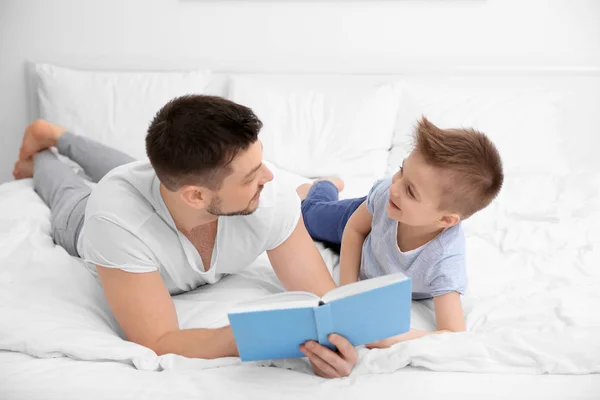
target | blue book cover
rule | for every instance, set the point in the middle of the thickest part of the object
(366, 311)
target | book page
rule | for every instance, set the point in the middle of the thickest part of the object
(278, 301)
(362, 286)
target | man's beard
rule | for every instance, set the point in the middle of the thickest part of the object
(214, 208)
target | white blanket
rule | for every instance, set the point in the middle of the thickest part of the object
(534, 267)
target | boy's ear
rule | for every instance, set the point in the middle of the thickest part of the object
(449, 220)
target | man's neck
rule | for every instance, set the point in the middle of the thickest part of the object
(413, 237)
(186, 218)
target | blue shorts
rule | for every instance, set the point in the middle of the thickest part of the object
(325, 216)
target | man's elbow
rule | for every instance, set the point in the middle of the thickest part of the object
(160, 346)
(158, 349)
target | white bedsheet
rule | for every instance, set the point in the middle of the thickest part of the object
(63, 378)
(531, 308)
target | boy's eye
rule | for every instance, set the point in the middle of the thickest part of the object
(410, 193)
(401, 168)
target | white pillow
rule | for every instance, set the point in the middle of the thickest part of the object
(114, 108)
(524, 125)
(329, 130)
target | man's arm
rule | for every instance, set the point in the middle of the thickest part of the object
(449, 317)
(145, 311)
(355, 232)
(299, 265)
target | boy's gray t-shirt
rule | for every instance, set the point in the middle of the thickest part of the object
(436, 268)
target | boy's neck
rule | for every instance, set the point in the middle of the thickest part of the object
(412, 237)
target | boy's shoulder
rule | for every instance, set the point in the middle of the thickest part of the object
(443, 262)
(451, 242)
(379, 193)
(381, 186)
(447, 250)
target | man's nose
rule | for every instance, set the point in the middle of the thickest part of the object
(268, 177)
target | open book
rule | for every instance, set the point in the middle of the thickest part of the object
(363, 312)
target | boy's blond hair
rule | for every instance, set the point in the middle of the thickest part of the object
(473, 163)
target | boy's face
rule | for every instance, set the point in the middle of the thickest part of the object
(415, 195)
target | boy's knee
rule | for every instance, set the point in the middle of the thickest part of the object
(305, 206)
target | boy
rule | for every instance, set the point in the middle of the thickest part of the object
(412, 222)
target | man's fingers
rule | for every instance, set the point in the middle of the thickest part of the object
(341, 366)
(316, 369)
(320, 367)
(346, 349)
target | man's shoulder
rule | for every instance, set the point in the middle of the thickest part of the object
(134, 174)
(125, 192)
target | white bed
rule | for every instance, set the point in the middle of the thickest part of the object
(533, 329)
(63, 378)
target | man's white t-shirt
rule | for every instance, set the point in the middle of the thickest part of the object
(128, 226)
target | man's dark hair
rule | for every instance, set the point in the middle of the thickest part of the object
(193, 139)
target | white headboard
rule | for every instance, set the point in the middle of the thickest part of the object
(361, 37)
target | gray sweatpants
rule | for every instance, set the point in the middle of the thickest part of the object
(66, 192)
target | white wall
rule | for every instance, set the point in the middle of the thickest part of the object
(287, 36)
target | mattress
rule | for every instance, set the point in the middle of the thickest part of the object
(26, 377)
(532, 332)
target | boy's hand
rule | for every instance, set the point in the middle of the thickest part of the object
(327, 363)
(449, 317)
(385, 343)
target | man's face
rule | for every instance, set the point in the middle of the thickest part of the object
(415, 193)
(240, 192)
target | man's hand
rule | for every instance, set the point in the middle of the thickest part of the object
(329, 364)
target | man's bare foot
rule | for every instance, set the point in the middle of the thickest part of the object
(39, 136)
(23, 169)
(302, 190)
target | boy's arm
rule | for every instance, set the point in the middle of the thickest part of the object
(355, 232)
(449, 317)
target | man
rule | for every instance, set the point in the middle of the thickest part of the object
(203, 206)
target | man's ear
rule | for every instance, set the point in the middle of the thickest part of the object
(449, 220)
(197, 197)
